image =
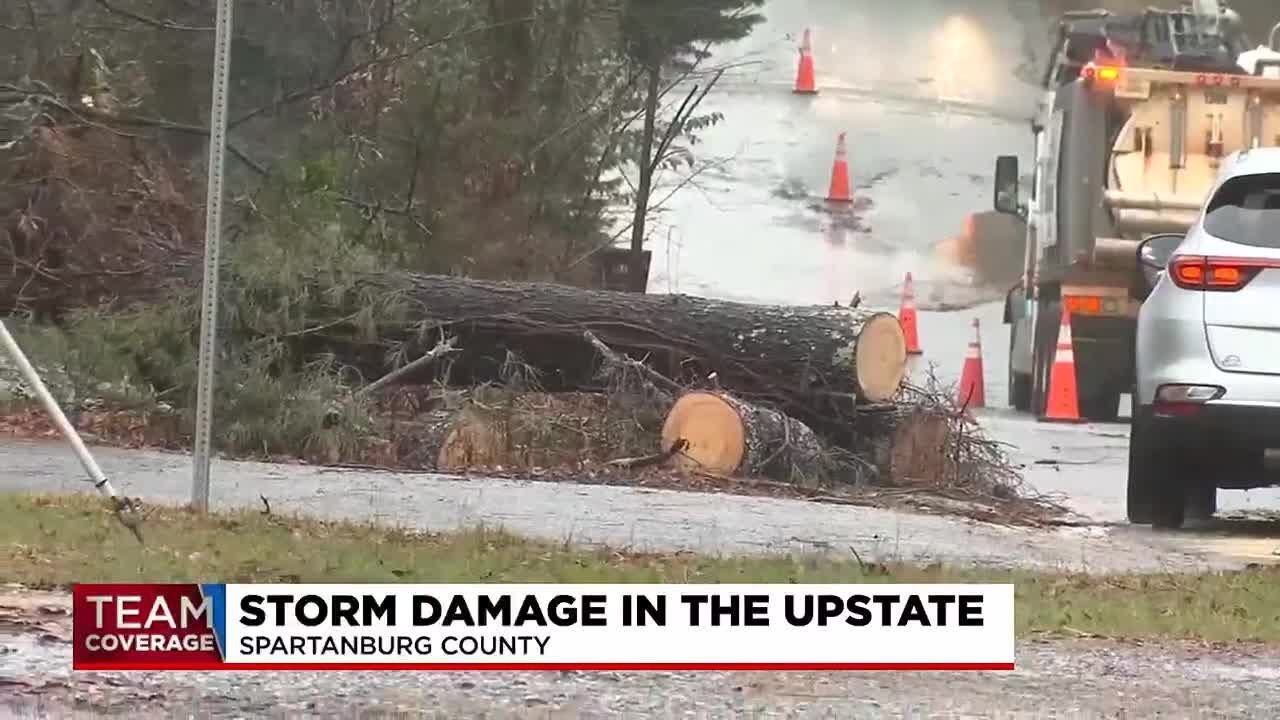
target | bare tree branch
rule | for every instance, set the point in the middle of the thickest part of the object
(153, 22)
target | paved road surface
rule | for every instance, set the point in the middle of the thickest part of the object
(609, 515)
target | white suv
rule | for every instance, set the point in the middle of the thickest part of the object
(1207, 402)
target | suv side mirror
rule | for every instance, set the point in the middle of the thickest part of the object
(1155, 251)
(1006, 190)
(1153, 258)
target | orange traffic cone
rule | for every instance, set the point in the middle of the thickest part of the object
(805, 84)
(973, 389)
(839, 190)
(1062, 404)
(907, 316)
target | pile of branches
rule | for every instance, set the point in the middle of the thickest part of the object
(927, 438)
(91, 215)
(922, 443)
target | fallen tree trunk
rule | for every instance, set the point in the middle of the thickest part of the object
(906, 444)
(723, 435)
(498, 428)
(814, 363)
(419, 443)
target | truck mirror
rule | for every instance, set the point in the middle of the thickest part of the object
(1006, 190)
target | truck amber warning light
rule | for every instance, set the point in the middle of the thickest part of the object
(1083, 304)
(1105, 73)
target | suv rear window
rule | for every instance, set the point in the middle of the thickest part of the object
(1246, 210)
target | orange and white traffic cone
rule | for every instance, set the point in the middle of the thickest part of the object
(839, 189)
(805, 84)
(907, 316)
(1062, 402)
(972, 392)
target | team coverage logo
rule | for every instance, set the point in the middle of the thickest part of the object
(153, 626)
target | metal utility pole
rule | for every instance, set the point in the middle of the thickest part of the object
(212, 237)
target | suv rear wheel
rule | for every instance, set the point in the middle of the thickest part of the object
(1166, 483)
(1144, 461)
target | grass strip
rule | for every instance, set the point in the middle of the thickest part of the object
(58, 540)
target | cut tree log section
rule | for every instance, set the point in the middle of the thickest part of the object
(908, 444)
(538, 430)
(814, 363)
(726, 436)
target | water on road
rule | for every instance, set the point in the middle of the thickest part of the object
(929, 92)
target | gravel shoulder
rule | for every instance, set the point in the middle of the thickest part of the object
(1055, 677)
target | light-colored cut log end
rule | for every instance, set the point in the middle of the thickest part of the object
(880, 358)
(470, 442)
(713, 429)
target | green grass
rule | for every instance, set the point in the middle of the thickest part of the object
(55, 541)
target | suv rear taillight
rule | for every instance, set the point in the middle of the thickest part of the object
(1224, 274)
(1181, 400)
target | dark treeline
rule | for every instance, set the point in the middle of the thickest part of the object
(455, 136)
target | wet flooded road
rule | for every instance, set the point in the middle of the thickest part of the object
(929, 92)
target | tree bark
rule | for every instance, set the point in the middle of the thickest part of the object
(726, 436)
(907, 445)
(540, 430)
(815, 363)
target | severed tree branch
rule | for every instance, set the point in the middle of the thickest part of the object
(442, 348)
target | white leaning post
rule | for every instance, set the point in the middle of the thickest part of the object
(96, 476)
(212, 237)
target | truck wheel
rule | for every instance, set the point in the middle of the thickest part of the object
(1019, 384)
(1048, 321)
(1020, 391)
(1203, 500)
(1100, 405)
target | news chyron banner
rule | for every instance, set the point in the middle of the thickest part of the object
(543, 627)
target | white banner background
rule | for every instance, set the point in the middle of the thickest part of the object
(676, 643)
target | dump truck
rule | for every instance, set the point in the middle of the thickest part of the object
(1136, 114)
